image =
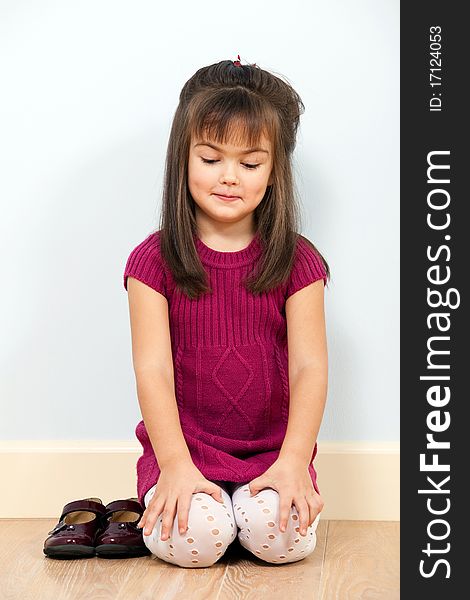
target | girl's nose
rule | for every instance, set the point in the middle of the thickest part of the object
(229, 177)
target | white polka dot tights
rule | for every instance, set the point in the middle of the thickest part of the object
(213, 526)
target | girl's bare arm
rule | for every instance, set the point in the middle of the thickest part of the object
(308, 370)
(153, 368)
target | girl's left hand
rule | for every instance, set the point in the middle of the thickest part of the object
(292, 481)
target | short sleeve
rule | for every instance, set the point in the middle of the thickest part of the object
(307, 268)
(146, 265)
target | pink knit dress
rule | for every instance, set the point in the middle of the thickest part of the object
(230, 361)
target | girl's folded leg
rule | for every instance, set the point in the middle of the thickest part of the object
(258, 519)
(211, 529)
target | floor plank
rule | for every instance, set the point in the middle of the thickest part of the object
(351, 558)
(249, 577)
(361, 561)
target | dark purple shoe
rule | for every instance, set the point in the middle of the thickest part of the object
(119, 536)
(74, 535)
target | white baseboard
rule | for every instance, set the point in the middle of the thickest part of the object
(357, 480)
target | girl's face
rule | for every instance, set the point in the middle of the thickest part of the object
(231, 171)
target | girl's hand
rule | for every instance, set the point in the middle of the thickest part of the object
(176, 484)
(292, 481)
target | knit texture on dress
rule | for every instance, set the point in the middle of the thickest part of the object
(230, 361)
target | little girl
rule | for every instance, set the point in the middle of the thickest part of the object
(217, 296)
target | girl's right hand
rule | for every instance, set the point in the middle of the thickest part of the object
(176, 484)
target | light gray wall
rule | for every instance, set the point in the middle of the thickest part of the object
(89, 90)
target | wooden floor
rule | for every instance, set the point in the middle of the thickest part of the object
(352, 560)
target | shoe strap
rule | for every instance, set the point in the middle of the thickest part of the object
(78, 505)
(83, 505)
(127, 505)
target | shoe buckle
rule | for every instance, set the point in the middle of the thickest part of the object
(58, 527)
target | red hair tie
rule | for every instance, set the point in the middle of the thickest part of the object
(237, 63)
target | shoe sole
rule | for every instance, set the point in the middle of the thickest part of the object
(120, 550)
(67, 551)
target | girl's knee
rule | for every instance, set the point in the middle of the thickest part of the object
(211, 528)
(254, 512)
(212, 521)
(258, 519)
(291, 550)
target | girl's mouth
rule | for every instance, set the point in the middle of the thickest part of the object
(227, 198)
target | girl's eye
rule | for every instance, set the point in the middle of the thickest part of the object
(212, 161)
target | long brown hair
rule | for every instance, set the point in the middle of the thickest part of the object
(224, 101)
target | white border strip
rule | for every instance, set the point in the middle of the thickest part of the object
(357, 480)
